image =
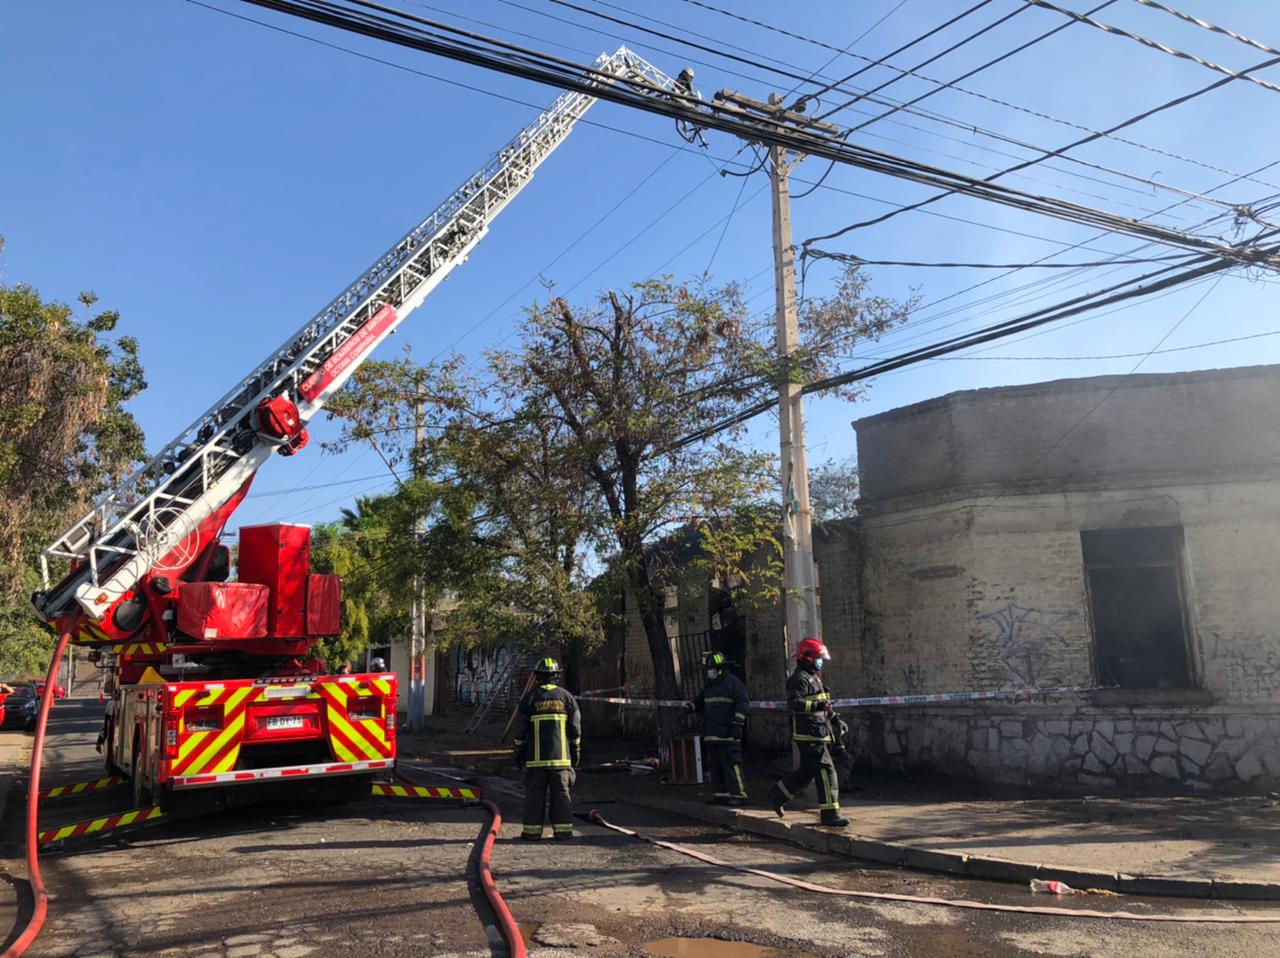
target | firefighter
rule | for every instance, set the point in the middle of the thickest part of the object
(812, 729)
(548, 746)
(724, 703)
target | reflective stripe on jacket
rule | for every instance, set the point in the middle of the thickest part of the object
(550, 728)
(724, 703)
(805, 697)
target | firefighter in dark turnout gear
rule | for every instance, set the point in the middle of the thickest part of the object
(548, 746)
(816, 732)
(724, 704)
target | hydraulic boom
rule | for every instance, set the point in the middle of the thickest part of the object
(164, 520)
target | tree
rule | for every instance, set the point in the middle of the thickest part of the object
(65, 436)
(833, 490)
(576, 441)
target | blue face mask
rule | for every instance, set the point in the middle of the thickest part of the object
(712, 674)
(818, 664)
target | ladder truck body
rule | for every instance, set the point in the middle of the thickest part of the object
(215, 682)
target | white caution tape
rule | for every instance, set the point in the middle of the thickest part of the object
(929, 698)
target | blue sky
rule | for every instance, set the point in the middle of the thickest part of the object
(217, 182)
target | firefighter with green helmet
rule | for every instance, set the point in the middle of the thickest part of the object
(548, 746)
(723, 702)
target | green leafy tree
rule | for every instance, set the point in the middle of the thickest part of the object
(65, 435)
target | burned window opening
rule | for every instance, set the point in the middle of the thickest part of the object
(1137, 607)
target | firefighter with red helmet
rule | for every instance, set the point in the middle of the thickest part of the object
(723, 702)
(548, 746)
(813, 729)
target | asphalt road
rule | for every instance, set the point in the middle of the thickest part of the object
(383, 877)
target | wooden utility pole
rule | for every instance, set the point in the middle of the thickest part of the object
(800, 579)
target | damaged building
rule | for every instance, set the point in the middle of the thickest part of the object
(1115, 533)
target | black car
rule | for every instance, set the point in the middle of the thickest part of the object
(20, 708)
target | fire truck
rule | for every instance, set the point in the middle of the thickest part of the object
(213, 680)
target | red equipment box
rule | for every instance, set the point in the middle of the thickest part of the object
(324, 604)
(278, 555)
(223, 610)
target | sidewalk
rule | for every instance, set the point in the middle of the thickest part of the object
(1199, 847)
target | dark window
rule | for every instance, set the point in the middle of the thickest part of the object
(1136, 601)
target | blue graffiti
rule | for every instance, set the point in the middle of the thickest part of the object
(1026, 637)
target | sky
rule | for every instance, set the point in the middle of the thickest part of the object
(217, 173)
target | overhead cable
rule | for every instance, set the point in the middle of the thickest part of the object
(639, 94)
(870, 95)
(1205, 24)
(1168, 105)
(1159, 151)
(1156, 281)
(1154, 44)
(976, 70)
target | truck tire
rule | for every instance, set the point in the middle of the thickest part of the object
(141, 793)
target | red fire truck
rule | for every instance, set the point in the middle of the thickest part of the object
(214, 682)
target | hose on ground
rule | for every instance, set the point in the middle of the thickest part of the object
(506, 921)
(1187, 917)
(40, 904)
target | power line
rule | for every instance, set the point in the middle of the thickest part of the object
(1155, 45)
(856, 260)
(1170, 104)
(640, 95)
(1159, 151)
(1205, 24)
(867, 95)
(1148, 353)
(1157, 280)
(976, 70)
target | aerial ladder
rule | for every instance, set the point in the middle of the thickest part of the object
(163, 521)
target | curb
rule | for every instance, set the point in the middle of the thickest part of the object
(916, 858)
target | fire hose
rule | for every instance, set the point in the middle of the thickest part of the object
(40, 903)
(506, 921)
(1188, 917)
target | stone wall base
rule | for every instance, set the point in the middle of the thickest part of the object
(1142, 748)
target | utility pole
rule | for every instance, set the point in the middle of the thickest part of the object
(417, 640)
(800, 579)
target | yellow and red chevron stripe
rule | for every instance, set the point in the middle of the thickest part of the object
(138, 816)
(79, 788)
(355, 739)
(212, 750)
(138, 648)
(422, 791)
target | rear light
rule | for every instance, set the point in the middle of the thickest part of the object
(204, 720)
(171, 737)
(391, 719)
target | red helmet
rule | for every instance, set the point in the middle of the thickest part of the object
(810, 650)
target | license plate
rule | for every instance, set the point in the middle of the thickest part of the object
(284, 721)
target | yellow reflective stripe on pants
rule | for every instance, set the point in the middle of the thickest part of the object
(827, 785)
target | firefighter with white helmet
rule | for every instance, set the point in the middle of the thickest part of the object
(548, 746)
(817, 731)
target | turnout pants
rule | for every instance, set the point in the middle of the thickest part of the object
(815, 765)
(725, 762)
(541, 784)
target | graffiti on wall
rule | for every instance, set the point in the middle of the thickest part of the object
(1026, 638)
(477, 672)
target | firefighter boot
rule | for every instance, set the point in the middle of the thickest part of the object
(832, 817)
(777, 801)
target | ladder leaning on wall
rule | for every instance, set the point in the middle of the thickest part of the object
(499, 690)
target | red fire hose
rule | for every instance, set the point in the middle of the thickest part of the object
(506, 922)
(41, 899)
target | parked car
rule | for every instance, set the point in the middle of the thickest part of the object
(20, 707)
(58, 690)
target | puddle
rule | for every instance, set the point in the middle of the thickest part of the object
(527, 930)
(715, 948)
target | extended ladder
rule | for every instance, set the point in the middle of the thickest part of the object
(140, 521)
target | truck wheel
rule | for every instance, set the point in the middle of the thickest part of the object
(141, 793)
